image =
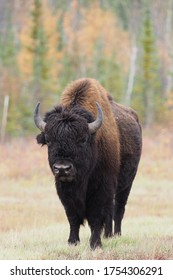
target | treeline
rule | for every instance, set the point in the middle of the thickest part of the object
(126, 45)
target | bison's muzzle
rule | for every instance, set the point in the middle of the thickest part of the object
(65, 171)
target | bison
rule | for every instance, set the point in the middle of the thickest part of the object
(94, 147)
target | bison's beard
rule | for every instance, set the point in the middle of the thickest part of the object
(67, 179)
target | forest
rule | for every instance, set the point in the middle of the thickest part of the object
(45, 44)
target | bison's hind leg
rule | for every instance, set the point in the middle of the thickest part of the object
(118, 216)
(126, 177)
(108, 226)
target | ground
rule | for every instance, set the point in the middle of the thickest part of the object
(33, 223)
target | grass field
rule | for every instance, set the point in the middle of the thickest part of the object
(33, 224)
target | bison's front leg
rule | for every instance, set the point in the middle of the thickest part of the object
(74, 213)
(74, 229)
(100, 211)
(95, 240)
(95, 221)
(74, 235)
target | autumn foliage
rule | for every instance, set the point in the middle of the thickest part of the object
(46, 44)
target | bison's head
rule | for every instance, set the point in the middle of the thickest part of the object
(70, 136)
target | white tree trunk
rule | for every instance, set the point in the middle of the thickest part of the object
(131, 75)
(169, 45)
(4, 118)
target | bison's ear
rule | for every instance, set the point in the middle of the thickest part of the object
(41, 139)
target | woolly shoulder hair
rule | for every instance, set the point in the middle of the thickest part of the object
(85, 93)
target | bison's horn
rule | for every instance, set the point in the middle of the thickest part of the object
(37, 119)
(98, 122)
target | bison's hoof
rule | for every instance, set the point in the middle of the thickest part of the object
(95, 244)
(108, 235)
(118, 233)
(73, 242)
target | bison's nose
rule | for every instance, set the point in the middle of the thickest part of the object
(62, 169)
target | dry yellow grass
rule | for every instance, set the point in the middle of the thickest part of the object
(33, 223)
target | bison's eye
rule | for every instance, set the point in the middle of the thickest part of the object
(48, 142)
(84, 140)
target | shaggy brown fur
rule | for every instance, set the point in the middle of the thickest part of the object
(86, 92)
